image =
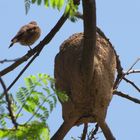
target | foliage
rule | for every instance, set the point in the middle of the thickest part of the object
(37, 99)
(2, 114)
(33, 131)
(32, 99)
(55, 4)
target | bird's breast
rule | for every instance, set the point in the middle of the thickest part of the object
(30, 37)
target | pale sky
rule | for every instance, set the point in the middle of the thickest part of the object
(119, 20)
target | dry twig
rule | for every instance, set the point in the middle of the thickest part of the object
(121, 94)
(132, 83)
(93, 132)
(9, 103)
(8, 60)
(84, 131)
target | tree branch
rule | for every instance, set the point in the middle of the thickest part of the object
(84, 131)
(94, 132)
(138, 59)
(9, 103)
(132, 83)
(19, 75)
(89, 16)
(121, 75)
(132, 72)
(119, 93)
(7, 60)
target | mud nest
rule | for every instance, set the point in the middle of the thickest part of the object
(85, 105)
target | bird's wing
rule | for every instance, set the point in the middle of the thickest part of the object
(22, 31)
(19, 34)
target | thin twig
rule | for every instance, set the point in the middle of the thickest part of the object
(121, 74)
(19, 75)
(23, 70)
(119, 93)
(9, 103)
(138, 59)
(132, 83)
(84, 131)
(132, 72)
(8, 60)
(94, 132)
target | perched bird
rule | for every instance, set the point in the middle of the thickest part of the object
(27, 34)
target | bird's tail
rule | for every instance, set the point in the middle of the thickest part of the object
(11, 45)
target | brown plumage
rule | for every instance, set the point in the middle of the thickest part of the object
(27, 35)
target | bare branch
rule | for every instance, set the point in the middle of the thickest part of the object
(132, 83)
(121, 94)
(84, 131)
(6, 60)
(18, 62)
(133, 65)
(132, 72)
(121, 74)
(94, 132)
(19, 75)
(9, 103)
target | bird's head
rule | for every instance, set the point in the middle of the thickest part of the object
(33, 23)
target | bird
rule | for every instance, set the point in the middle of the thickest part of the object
(27, 35)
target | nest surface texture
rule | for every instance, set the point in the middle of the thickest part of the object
(86, 105)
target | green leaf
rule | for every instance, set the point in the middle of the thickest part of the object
(47, 90)
(63, 97)
(29, 109)
(60, 4)
(33, 131)
(46, 3)
(28, 82)
(33, 1)
(67, 8)
(22, 94)
(2, 122)
(54, 100)
(51, 105)
(43, 78)
(36, 97)
(53, 3)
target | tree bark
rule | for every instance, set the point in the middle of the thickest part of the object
(63, 130)
(89, 16)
